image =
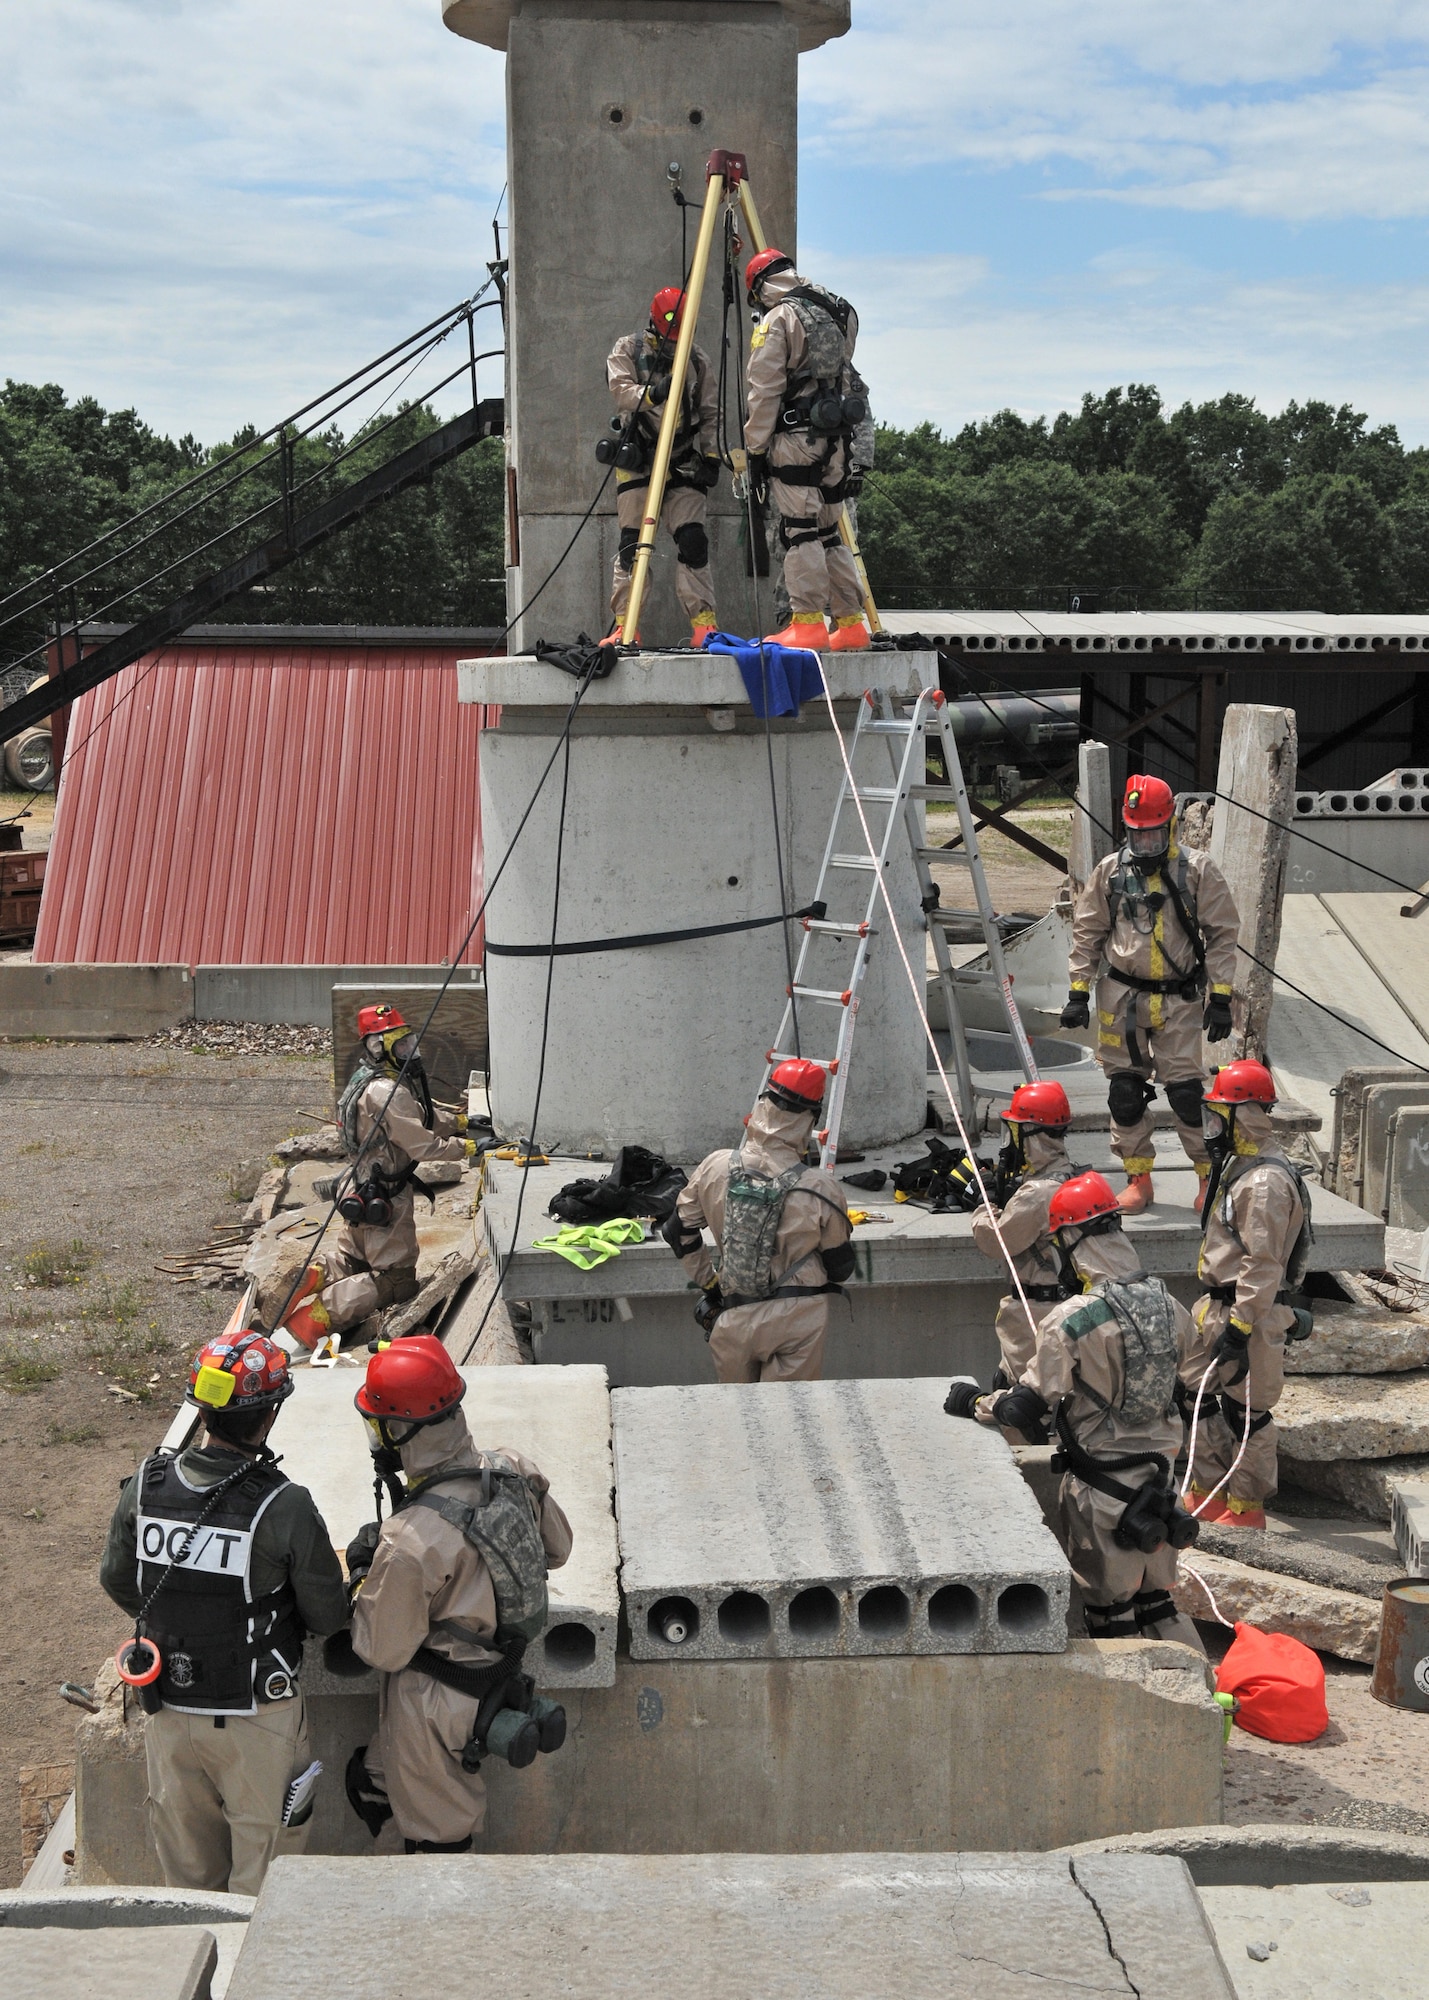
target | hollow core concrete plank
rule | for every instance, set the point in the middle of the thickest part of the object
(560, 1417)
(968, 1927)
(818, 1519)
(172, 1962)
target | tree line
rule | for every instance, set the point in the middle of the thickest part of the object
(1217, 506)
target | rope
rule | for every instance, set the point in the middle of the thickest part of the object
(1215, 1608)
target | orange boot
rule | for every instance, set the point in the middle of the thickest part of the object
(810, 633)
(849, 634)
(1242, 1513)
(1136, 1195)
(1204, 1508)
(308, 1318)
(702, 623)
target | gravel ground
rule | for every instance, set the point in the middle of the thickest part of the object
(244, 1038)
(133, 1153)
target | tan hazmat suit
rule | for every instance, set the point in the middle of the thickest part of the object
(1083, 1368)
(1250, 1232)
(777, 1340)
(819, 572)
(682, 515)
(429, 1587)
(1023, 1223)
(1152, 1035)
(368, 1269)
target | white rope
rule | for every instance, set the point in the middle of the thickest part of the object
(1207, 1498)
(919, 999)
(1221, 1619)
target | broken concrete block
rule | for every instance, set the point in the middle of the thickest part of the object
(172, 1962)
(1361, 1485)
(810, 1519)
(267, 1199)
(1360, 1340)
(1256, 771)
(453, 1270)
(1409, 1518)
(327, 1143)
(842, 1926)
(1354, 1416)
(1333, 1621)
(1298, 1556)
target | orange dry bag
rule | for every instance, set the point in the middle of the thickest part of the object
(1279, 1685)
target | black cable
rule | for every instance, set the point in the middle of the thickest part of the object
(531, 1146)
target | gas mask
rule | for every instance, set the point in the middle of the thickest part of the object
(1065, 1241)
(1149, 843)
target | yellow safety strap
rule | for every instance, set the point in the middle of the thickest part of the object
(587, 1244)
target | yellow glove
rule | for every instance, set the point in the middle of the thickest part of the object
(461, 1121)
(470, 1148)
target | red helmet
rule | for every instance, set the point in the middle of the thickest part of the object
(762, 265)
(378, 1020)
(1082, 1200)
(242, 1372)
(797, 1084)
(667, 310)
(1148, 802)
(1243, 1082)
(413, 1381)
(1039, 1104)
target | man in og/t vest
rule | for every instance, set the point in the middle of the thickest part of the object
(1161, 923)
(225, 1564)
(783, 1233)
(372, 1263)
(1104, 1370)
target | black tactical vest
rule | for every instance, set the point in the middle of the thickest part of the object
(223, 1650)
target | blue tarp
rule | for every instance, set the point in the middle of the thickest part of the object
(789, 674)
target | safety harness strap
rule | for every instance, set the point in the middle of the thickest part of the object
(1095, 1472)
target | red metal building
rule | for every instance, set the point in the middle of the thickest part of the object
(256, 795)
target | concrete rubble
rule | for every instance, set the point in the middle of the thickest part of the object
(1342, 1622)
(1362, 1484)
(1358, 1340)
(786, 1927)
(807, 1519)
(1354, 1416)
(1298, 1556)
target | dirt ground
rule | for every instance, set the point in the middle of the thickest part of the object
(130, 1153)
(1016, 880)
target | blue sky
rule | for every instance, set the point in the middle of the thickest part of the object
(213, 207)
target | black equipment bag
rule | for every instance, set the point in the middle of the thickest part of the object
(639, 1183)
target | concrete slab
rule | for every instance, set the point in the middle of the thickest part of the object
(1277, 1851)
(175, 1963)
(560, 1418)
(677, 680)
(1354, 1416)
(782, 1927)
(1332, 1621)
(1392, 947)
(816, 1519)
(1409, 1518)
(1323, 1941)
(94, 1002)
(1361, 1484)
(1358, 1340)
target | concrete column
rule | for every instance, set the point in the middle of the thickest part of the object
(601, 96)
(1250, 839)
(670, 825)
(1094, 826)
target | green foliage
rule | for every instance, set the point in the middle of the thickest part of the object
(23, 1371)
(53, 1265)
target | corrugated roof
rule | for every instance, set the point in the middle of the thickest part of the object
(315, 804)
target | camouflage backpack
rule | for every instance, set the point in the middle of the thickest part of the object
(500, 1523)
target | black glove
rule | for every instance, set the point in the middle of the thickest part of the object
(360, 1551)
(1022, 1409)
(757, 468)
(1232, 1350)
(658, 390)
(1304, 1324)
(340, 1659)
(1216, 1020)
(1078, 1011)
(706, 475)
(709, 1309)
(961, 1399)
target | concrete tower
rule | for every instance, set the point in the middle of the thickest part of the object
(601, 95)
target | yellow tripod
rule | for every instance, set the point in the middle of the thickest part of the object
(726, 182)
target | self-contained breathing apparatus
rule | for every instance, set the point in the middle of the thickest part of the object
(367, 1201)
(818, 399)
(1128, 886)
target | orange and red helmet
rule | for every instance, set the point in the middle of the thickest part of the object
(797, 1084)
(1148, 802)
(1085, 1198)
(667, 311)
(241, 1373)
(414, 1381)
(763, 265)
(1243, 1082)
(1039, 1106)
(378, 1020)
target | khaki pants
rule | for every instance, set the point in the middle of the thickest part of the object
(684, 508)
(819, 572)
(1108, 1573)
(351, 1266)
(779, 1342)
(216, 1795)
(416, 1759)
(1256, 1478)
(1128, 1039)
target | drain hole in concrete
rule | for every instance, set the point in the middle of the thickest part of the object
(1022, 1607)
(814, 1614)
(883, 1613)
(569, 1647)
(674, 1619)
(744, 1618)
(953, 1611)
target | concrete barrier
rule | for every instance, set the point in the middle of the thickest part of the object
(93, 1003)
(1272, 1854)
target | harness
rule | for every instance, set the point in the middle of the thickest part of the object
(1128, 885)
(753, 1207)
(223, 1650)
(1219, 1202)
(375, 1185)
(645, 430)
(816, 401)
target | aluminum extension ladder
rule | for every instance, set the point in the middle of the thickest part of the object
(846, 858)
